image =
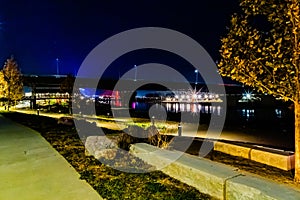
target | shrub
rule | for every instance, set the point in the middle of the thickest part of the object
(157, 139)
(125, 140)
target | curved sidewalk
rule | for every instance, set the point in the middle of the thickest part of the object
(31, 169)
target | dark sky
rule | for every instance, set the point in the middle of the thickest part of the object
(37, 32)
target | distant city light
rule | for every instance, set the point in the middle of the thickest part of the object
(248, 95)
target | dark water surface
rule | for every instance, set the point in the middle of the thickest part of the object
(272, 126)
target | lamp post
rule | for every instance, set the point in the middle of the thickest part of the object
(57, 68)
(135, 72)
(196, 72)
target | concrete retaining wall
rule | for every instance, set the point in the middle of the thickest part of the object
(232, 149)
(277, 158)
(215, 179)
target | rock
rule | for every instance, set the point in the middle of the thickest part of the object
(107, 154)
(68, 121)
(136, 131)
(98, 145)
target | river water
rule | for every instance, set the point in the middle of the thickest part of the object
(270, 125)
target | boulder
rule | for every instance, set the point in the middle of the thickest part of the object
(68, 121)
(107, 154)
(101, 146)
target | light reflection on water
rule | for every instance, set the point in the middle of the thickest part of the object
(181, 107)
(278, 113)
(192, 107)
(197, 108)
(247, 113)
(266, 124)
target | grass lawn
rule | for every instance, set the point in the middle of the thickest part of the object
(108, 182)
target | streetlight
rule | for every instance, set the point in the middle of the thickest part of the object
(57, 68)
(135, 73)
(196, 72)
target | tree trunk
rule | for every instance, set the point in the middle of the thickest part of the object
(70, 105)
(297, 141)
(8, 98)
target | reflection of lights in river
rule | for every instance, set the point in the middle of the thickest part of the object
(206, 109)
(248, 113)
(199, 107)
(133, 105)
(219, 110)
(188, 107)
(278, 113)
(169, 106)
(193, 108)
(181, 107)
(213, 108)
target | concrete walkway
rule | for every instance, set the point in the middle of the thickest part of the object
(31, 169)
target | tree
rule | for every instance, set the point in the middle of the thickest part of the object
(11, 85)
(3, 86)
(262, 50)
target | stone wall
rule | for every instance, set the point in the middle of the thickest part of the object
(284, 160)
(215, 179)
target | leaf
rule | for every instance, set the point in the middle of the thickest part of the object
(279, 40)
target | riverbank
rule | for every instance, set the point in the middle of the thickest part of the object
(259, 169)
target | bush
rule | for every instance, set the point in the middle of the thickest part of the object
(125, 140)
(157, 139)
(133, 134)
(136, 134)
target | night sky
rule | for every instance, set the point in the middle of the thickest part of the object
(38, 32)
